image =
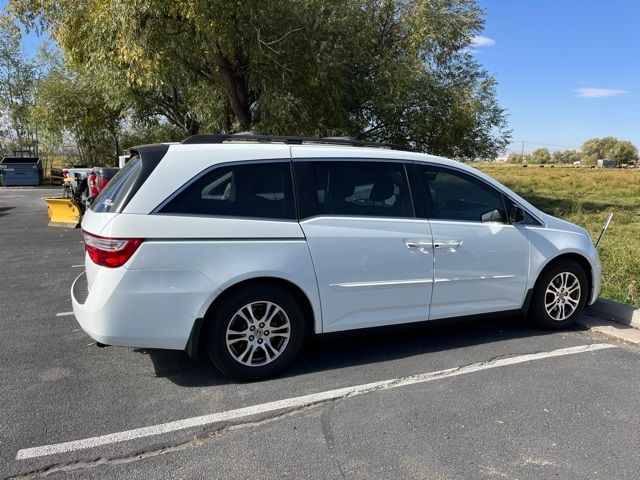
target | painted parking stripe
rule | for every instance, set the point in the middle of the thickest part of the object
(77, 266)
(295, 402)
(64, 314)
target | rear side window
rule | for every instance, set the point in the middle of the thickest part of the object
(112, 198)
(371, 189)
(453, 195)
(256, 190)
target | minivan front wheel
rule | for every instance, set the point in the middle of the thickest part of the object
(256, 333)
(559, 296)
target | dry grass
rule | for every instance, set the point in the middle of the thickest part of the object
(585, 197)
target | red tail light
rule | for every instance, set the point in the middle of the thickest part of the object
(93, 187)
(102, 182)
(110, 252)
(64, 173)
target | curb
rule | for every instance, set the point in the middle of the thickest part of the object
(618, 312)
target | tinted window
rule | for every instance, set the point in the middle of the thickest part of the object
(261, 190)
(453, 195)
(116, 191)
(373, 189)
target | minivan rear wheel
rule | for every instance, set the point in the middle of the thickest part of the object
(559, 295)
(256, 332)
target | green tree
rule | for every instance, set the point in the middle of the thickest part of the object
(515, 158)
(623, 152)
(566, 156)
(18, 77)
(597, 148)
(391, 71)
(69, 106)
(540, 155)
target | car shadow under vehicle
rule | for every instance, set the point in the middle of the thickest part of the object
(335, 351)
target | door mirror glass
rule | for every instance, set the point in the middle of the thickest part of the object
(492, 216)
(518, 214)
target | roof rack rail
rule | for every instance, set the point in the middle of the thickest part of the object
(288, 140)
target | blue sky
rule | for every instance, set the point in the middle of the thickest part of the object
(567, 70)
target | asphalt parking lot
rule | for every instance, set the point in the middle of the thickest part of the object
(491, 399)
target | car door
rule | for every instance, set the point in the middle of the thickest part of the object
(481, 259)
(372, 258)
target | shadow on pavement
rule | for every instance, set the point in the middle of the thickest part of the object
(4, 210)
(178, 367)
(349, 349)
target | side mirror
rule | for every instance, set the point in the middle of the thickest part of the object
(492, 216)
(517, 214)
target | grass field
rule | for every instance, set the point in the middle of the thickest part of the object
(585, 197)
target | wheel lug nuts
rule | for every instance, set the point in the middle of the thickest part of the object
(259, 340)
(252, 328)
(266, 332)
(261, 325)
(251, 338)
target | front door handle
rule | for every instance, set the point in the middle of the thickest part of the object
(419, 244)
(451, 245)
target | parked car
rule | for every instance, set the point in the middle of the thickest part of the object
(242, 246)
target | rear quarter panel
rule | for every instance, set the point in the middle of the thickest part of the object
(225, 251)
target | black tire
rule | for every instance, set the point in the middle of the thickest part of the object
(225, 314)
(538, 313)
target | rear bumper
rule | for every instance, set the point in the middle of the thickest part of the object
(147, 309)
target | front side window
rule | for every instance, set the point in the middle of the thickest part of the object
(453, 195)
(256, 190)
(371, 189)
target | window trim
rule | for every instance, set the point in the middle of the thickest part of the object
(429, 208)
(206, 171)
(407, 179)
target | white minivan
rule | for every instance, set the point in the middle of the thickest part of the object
(241, 246)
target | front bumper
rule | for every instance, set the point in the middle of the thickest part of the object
(596, 279)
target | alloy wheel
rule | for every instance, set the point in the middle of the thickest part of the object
(258, 333)
(562, 296)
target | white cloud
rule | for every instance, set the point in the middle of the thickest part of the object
(480, 41)
(599, 92)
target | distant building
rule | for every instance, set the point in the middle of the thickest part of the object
(604, 163)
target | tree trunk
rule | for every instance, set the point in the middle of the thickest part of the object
(237, 92)
(117, 146)
(193, 126)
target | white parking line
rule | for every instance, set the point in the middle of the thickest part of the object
(295, 402)
(64, 314)
(77, 266)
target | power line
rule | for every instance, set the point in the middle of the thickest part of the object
(544, 144)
